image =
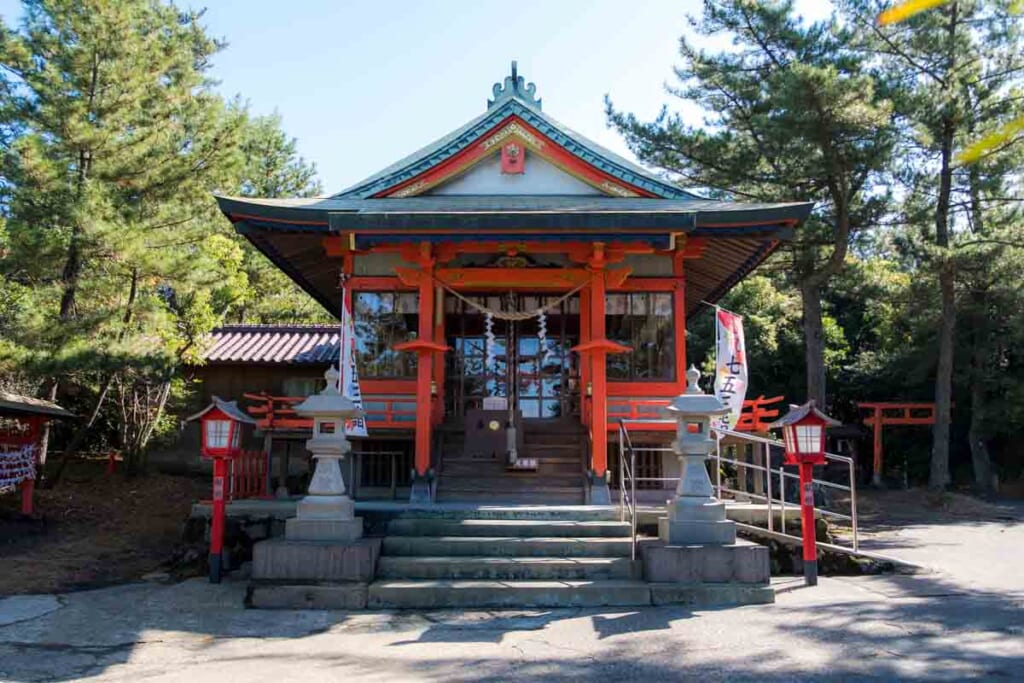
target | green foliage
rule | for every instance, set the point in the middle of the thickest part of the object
(115, 262)
(866, 121)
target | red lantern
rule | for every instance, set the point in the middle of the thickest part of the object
(222, 423)
(803, 432)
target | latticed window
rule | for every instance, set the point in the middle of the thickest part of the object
(642, 321)
(383, 319)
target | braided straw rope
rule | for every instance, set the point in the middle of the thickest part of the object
(514, 316)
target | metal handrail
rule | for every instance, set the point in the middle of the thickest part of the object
(625, 444)
(769, 497)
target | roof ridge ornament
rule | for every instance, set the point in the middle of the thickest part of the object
(515, 86)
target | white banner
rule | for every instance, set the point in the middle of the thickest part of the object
(730, 364)
(16, 466)
(349, 375)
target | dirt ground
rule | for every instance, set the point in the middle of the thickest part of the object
(93, 530)
(887, 507)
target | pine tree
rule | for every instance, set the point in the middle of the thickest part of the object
(273, 168)
(114, 141)
(791, 114)
(943, 69)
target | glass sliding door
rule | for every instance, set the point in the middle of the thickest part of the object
(536, 373)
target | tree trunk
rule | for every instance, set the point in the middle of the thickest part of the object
(939, 476)
(814, 343)
(83, 430)
(980, 457)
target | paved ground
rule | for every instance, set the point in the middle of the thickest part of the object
(964, 619)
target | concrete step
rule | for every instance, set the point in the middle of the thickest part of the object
(566, 513)
(447, 494)
(508, 527)
(508, 568)
(427, 594)
(496, 546)
(546, 473)
(513, 482)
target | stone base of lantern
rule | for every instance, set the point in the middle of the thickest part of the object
(289, 560)
(324, 518)
(325, 507)
(334, 530)
(696, 521)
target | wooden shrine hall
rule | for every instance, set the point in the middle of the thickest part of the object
(515, 289)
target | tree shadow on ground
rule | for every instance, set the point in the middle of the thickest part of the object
(911, 627)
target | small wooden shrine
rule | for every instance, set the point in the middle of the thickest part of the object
(22, 419)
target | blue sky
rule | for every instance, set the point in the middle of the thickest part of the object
(362, 84)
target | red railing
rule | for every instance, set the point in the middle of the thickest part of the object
(757, 412)
(247, 476)
(638, 409)
(382, 412)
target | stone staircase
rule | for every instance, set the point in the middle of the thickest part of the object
(560, 448)
(510, 558)
(492, 556)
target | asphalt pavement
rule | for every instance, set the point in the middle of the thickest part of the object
(963, 618)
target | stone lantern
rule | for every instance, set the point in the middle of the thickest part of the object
(327, 512)
(695, 516)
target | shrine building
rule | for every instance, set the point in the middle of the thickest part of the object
(516, 289)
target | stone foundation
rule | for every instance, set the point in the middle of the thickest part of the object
(291, 560)
(327, 530)
(741, 562)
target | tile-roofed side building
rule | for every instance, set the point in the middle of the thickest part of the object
(273, 344)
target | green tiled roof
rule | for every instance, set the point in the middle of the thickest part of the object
(515, 99)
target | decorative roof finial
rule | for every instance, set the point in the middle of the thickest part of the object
(515, 86)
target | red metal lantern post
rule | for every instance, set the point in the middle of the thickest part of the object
(222, 423)
(803, 431)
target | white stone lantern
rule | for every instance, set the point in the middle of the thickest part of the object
(327, 512)
(695, 516)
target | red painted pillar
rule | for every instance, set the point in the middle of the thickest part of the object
(810, 549)
(28, 488)
(220, 471)
(679, 315)
(598, 367)
(424, 362)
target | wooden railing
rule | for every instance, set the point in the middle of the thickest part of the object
(247, 476)
(382, 412)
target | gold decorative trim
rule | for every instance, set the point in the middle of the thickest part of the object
(415, 188)
(513, 129)
(617, 190)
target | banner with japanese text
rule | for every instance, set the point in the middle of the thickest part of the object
(349, 374)
(730, 364)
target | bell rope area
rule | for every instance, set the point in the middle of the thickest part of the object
(459, 367)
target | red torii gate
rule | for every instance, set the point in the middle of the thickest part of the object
(893, 413)
(757, 414)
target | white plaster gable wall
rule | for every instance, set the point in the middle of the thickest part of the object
(541, 177)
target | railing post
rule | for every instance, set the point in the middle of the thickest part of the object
(394, 475)
(718, 463)
(768, 472)
(632, 501)
(853, 505)
(622, 475)
(782, 495)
